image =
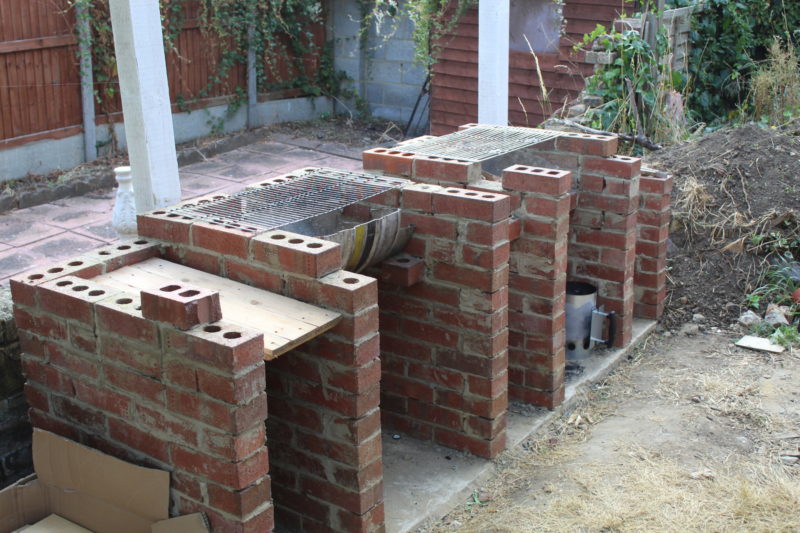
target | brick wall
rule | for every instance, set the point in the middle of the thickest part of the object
(188, 401)
(15, 429)
(574, 207)
(650, 277)
(444, 334)
(324, 424)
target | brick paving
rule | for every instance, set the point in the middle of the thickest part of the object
(41, 235)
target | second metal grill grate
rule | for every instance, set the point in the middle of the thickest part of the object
(479, 143)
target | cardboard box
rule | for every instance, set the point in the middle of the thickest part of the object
(93, 490)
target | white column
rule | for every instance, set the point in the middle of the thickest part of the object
(145, 102)
(493, 19)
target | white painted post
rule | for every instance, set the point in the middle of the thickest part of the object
(493, 22)
(146, 107)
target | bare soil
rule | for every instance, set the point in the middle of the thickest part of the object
(731, 186)
(690, 434)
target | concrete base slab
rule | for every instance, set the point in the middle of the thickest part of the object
(423, 481)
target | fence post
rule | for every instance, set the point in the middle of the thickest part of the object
(252, 81)
(87, 82)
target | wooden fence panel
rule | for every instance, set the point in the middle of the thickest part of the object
(39, 78)
(40, 92)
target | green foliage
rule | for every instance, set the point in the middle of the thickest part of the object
(634, 87)
(729, 38)
(777, 285)
(787, 336)
(277, 31)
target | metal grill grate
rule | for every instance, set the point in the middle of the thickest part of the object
(308, 194)
(479, 143)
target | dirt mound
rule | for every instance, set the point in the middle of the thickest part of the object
(735, 204)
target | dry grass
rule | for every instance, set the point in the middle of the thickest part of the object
(553, 484)
(649, 492)
(776, 86)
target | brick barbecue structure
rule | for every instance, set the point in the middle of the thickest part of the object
(168, 350)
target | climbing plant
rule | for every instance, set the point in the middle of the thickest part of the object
(635, 87)
(278, 32)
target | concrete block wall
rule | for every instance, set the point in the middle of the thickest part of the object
(444, 338)
(382, 66)
(324, 423)
(190, 402)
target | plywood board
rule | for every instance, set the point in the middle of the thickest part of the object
(286, 323)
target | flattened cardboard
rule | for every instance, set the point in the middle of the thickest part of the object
(54, 524)
(90, 488)
(190, 523)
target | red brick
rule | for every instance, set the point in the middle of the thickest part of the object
(485, 280)
(548, 399)
(206, 262)
(547, 206)
(240, 503)
(402, 270)
(236, 475)
(223, 239)
(299, 254)
(181, 304)
(75, 414)
(159, 225)
(389, 161)
(655, 185)
(68, 360)
(223, 346)
(489, 258)
(133, 383)
(430, 225)
(253, 275)
(615, 165)
(36, 397)
(118, 315)
(488, 207)
(349, 292)
(447, 171)
(116, 256)
(159, 422)
(419, 197)
(234, 447)
(138, 357)
(582, 143)
(139, 440)
(356, 502)
(227, 417)
(73, 298)
(546, 181)
(605, 202)
(236, 390)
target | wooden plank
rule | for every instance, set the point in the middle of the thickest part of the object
(285, 322)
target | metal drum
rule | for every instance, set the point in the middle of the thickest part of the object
(584, 321)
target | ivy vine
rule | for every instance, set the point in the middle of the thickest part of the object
(278, 32)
